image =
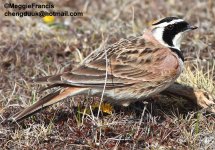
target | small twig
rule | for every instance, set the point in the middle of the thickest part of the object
(9, 99)
(140, 122)
(106, 76)
(79, 55)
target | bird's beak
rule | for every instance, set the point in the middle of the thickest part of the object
(190, 27)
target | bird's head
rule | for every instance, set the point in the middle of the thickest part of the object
(169, 31)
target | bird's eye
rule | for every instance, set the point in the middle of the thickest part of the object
(170, 27)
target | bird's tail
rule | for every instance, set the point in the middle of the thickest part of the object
(47, 101)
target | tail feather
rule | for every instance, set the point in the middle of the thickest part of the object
(46, 101)
(53, 86)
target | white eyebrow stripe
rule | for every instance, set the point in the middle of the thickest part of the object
(164, 24)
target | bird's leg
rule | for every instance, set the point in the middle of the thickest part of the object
(199, 96)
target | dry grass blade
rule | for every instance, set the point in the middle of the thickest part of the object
(29, 49)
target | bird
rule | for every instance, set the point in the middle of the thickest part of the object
(124, 72)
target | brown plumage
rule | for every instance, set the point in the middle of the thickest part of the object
(131, 69)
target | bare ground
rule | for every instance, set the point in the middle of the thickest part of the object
(30, 48)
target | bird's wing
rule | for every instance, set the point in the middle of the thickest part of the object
(122, 64)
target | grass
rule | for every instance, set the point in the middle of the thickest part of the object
(30, 48)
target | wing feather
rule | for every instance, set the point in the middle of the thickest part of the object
(129, 62)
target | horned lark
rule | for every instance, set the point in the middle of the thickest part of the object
(130, 69)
